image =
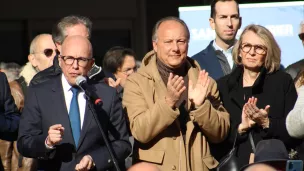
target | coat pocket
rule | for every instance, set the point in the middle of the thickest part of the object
(154, 156)
(210, 162)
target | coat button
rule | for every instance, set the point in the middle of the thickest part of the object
(174, 138)
(173, 167)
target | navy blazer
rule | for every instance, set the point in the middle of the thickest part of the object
(45, 106)
(208, 60)
(9, 115)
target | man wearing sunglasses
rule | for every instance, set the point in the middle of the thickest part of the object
(295, 68)
(68, 26)
(41, 55)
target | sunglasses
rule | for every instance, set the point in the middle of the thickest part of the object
(301, 36)
(49, 52)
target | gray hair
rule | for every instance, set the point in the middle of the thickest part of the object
(11, 70)
(58, 32)
(170, 18)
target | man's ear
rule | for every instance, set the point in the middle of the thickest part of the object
(32, 60)
(154, 43)
(212, 23)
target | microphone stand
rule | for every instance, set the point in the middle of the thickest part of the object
(91, 107)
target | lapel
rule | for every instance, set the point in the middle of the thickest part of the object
(61, 110)
(213, 63)
(235, 87)
(88, 115)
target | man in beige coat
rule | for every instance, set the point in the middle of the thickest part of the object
(174, 108)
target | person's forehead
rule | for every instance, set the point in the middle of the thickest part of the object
(76, 48)
(129, 61)
(251, 37)
(226, 8)
(171, 26)
(44, 43)
(77, 30)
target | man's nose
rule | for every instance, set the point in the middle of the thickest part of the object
(175, 46)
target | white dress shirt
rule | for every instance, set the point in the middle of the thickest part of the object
(227, 53)
(68, 95)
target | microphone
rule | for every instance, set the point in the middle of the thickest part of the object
(81, 82)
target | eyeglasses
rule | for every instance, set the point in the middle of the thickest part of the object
(81, 61)
(129, 71)
(301, 36)
(49, 52)
(259, 49)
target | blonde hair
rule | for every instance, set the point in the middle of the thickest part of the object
(273, 53)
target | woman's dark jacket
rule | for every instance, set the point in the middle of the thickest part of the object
(276, 89)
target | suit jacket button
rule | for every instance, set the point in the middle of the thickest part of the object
(173, 167)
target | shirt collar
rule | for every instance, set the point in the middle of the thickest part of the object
(65, 84)
(216, 47)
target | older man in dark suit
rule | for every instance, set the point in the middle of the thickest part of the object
(57, 125)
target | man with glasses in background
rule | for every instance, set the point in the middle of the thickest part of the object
(120, 62)
(295, 68)
(58, 128)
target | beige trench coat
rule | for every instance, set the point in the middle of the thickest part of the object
(155, 126)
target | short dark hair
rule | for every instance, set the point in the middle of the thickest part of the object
(170, 18)
(213, 3)
(115, 57)
(58, 32)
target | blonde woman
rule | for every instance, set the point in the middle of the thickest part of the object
(257, 95)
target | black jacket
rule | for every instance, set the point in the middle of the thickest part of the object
(9, 115)
(48, 73)
(276, 89)
(295, 68)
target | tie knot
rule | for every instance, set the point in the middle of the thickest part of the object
(74, 90)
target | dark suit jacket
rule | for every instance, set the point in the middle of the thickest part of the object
(295, 68)
(9, 115)
(45, 106)
(208, 60)
(275, 89)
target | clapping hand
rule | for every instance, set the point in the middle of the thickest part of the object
(246, 123)
(197, 93)
(260, 116)
(175, 87)
(112, 83)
